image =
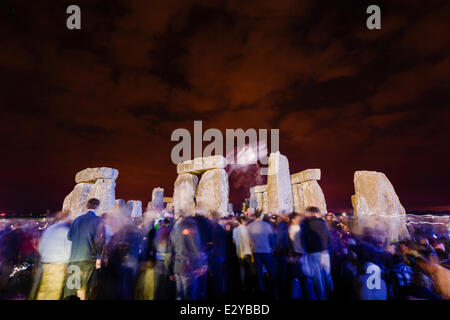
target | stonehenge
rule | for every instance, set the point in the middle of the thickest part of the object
(201, 187)
(306, 192)
(97, 183)
(377, 206)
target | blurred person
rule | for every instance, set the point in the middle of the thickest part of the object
(439, 275)
(162, 249)
(133, 237)
(298, 265)
(401, 276)
(9, 255)
(87, 234)
(113, 281)
(108, 229)
(216, 257)
(316, 242)
(281, 252)
(54, 250)
(243, 244)
(190, 261)
(263, 239)
(206, 241)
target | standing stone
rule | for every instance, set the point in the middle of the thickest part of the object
(135, 208)
(297, 195)
(120, 204)
(313, 195)
(158, 198)
(184, 194)
(75, 202)
(354, 206)
(212, 195)
(378, 207)
(253, 201)
(265, 202)
(279, 188)
(105, 191)
(259, 201)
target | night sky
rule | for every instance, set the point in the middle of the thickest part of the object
(345, 98)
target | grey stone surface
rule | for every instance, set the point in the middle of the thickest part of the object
(135, 208)
(120, 203)
(313, 195)
(260, 201)
(258, 189)
(305, 175)
(75, 202)
(105, 191)
(200, 165)
(279, 188)
(212, 194)
(253, 201)
(184, 194)
(377, 206)
(265, 202)
(93, 174)
(297, 195)
(158, 198)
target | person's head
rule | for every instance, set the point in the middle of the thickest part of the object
(258, 214)
(295, 219)
(424, 241)
(241, 220)
(166, 222)
(62, 216)
(214, 215)
(403, 247)
(93, 204)
(312, 212)
(284, 216)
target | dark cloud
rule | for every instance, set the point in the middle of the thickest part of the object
(344, 98)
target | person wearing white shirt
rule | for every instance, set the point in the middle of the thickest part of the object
(242, 240)
(54, 250)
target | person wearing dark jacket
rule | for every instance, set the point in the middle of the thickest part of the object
(87, 234)
(281, 252)
(189, 260)
(316, 242)
(216, 258)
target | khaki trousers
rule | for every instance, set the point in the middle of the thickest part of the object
(52, 281)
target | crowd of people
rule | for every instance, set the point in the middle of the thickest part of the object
(247, 256)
